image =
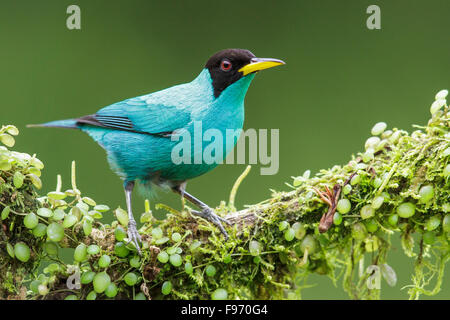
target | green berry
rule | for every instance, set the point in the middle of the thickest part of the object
(210, 271)
(367, 212)
(130, 278)
(104, 261)
(34, 286)
(122, 216)
(166, 288)
(309, 243)
(426, 193)
(55, 195)
(432, 223)
(299, 230)
(51, 248)
(446, 207)
(371, 225)
(393, 219)
(91, 295)
(120, 233)
(101, 282)
(377, 202)
(22, 251)
(337, 218)
(121, 250)
(87, 277)
(35, 180)
(343, 206)
(45, 212)
(71, 297)
(406, 210)
(5, 212)
(140, 296)
(355, 180)
(347, 189)
(219, 294)
(12, 130)
(93, 249)
(55, 232)
(176, 237)
(135, 262)
(283, 225)
(437, 105)
(10, 250)
(289, 234)
(111, 290)
(87, 227)
(42, 289)
(18, 179)
(30, 221)
(163, 257)
(58, 214)
(69, 220)
(442, 94)
(157, 233)
(8, 141)
(40, 230)
(372, 143)
(176, 260)
(255, 248)
(377, 182)
(52, 268)
(171, 250)
(89, 201)
(80, 253)
(446, 223)
(188, 268)
(378, 128)
(101, 208)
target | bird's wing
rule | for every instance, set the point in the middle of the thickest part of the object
(136, 115)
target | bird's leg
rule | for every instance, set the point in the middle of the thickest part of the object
(206, 212)
(133, 234)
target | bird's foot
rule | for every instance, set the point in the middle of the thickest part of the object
(134, 236)
(209, 215)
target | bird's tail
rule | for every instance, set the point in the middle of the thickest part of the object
(69, 123)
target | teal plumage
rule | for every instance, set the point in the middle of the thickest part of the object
(136, 133)
(139, 156)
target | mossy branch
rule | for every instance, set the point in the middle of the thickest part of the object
(338, 223)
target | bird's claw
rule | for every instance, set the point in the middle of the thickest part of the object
(209, 215)
(134, 236)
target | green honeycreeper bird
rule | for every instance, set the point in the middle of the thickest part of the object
(136, 133)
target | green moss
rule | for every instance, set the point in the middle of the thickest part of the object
(277, 266)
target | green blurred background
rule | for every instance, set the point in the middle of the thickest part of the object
(339, 80)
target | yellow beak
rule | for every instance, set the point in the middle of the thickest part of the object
(258, 64)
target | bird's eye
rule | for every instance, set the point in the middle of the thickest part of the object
(225, 65)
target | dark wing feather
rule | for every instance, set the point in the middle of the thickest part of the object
(136, 115)
(115, 122)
